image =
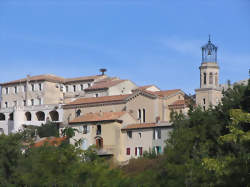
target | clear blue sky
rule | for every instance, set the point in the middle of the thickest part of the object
(146, 41)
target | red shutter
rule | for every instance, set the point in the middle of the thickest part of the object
(135, 151)
(128, 151)
(140, 150)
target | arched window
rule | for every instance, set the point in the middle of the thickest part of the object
(210, 78)
(28, 116)
(40, 116)
(99, 142)
(78, 113)
(144, 115)
(139, 115)
(11, 116)
(216, 79)
(204, 78)
(2, 117)
(54, 116)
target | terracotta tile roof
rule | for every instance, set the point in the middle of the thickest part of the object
(54, 141)
(145, 87)
(167, 93)
(95, 117)
(45, 77)
(52, 78)
(104, 85)
(140, 126)
(68, 80)
(92, 100)
(178, 104)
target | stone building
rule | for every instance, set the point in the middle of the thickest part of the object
(35, 100)
(209, 93)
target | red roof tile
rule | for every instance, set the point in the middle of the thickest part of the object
(52, 78)
(140, 126)
(92, 100)
(54, 141)
(166, 93)
(104, 85)
(95, 117)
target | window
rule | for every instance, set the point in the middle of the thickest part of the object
(7, 90)
(78, 113)
(210, 78)
(144, 115)
(32, 87)
(40, 101)
(128, 151)
(204, 101)
(40, 86)
(15, 89)
(205, 78)
(85, 129)
(139, 134)
(14, 103)
(82, 88)
(32, 102)
(6, 104)
(74, 88)
(139, 115)
(98, 130)
(24, 102)
(96, 95)
(89, 84)
(204, 108)
(99, 143)
(67, 88)
(157, 133)
(129, 133)
(138, 151)
(157, 149)
(24, 88)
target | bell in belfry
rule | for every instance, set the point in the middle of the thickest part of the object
(209, 52)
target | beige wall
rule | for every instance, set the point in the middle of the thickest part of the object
(143, 102)
(211, 96)
(169, 101)
(50, 94)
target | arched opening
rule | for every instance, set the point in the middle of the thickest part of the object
(54, 116)
(2, 117)
(40, 116)
(204, 78)
(210, 78)
(216, 79)
(99, 142)
(78, 113)
(1, 131)
(11, 116)
(28, 116)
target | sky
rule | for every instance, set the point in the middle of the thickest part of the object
(146, 41)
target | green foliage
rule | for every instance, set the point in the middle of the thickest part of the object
(10, 152)
(47, 130)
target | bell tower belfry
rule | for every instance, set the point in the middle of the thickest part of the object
(209, 93)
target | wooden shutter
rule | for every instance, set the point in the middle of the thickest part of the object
(128, 151)
(140, 150)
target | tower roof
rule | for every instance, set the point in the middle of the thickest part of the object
(209, 45)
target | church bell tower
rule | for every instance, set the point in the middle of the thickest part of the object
(209, 93)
